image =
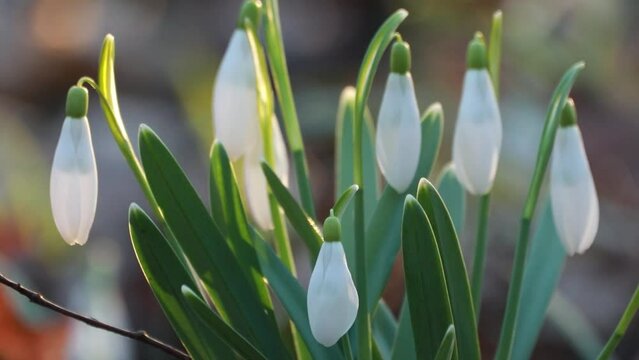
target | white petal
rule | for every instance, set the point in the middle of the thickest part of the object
(74, 182)
(575, 204)
(255, 184)
(332, 299)
(478, 132)
(235, 110)
(399, 135)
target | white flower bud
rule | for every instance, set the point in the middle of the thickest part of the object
(74, 182)
(478, 133)
(575, 205)
(255, 185)
(235, 109)
(399, 134)
(332, 299)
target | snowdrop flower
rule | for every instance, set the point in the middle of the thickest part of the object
(74, 177)
(575, 205)
(255, 184)
(478, 132)
(399, 135)
(235, 107)
(332, 299)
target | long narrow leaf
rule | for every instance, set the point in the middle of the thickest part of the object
(404, 345)
(293, 298)
(447, 346)
(541, 277)
(206, 248)
(229, 215)
(344, 167)
(165, 274)
(384, 328)
(230, 337)
(301, 222)
(383, 230)
(428, 299)
(455, 270)
(341, 204)
(454, 196)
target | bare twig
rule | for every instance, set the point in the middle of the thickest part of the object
(140, 335)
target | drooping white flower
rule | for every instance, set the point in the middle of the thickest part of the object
(574, 200)
(74, 177)
(478, 132)
(332, 299)
(399, 136)
(255, 185)
(235, 108)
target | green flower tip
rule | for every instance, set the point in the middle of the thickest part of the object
(476, 57)
(251, 11)
(77, 102)
(332, 228)
(400, 57)
(569, 114)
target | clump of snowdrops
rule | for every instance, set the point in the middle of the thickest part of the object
(215, 269)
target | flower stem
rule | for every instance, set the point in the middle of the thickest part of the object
(557, 103)
(480, 252)
(140, 336)
(621, 328)
(124, 144)
(282, 82)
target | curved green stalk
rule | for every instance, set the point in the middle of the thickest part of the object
(125, 146)
(621, 328)
(281, 80)
(374, 53)
(557, 103)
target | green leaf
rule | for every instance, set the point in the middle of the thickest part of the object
(301, 222)
(344, 167)
(230, 337)
(494, 50)
(541, 277)
(231, 291)
(447, 346)
(344, 200)
(454, 196)
(384, 329)
(292, 297)
(371, 60)
(383, 229)
(165, 274)
(455, 270)
(428, 300)
(404, 345)
(553, 114)
(230, 217)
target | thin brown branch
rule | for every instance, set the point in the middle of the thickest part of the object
(140, 335)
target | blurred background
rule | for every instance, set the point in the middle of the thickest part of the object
(167, 55)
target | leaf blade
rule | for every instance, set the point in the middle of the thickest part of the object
(455, 270)
(425, 281)
(165, 274)
(206, 248)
